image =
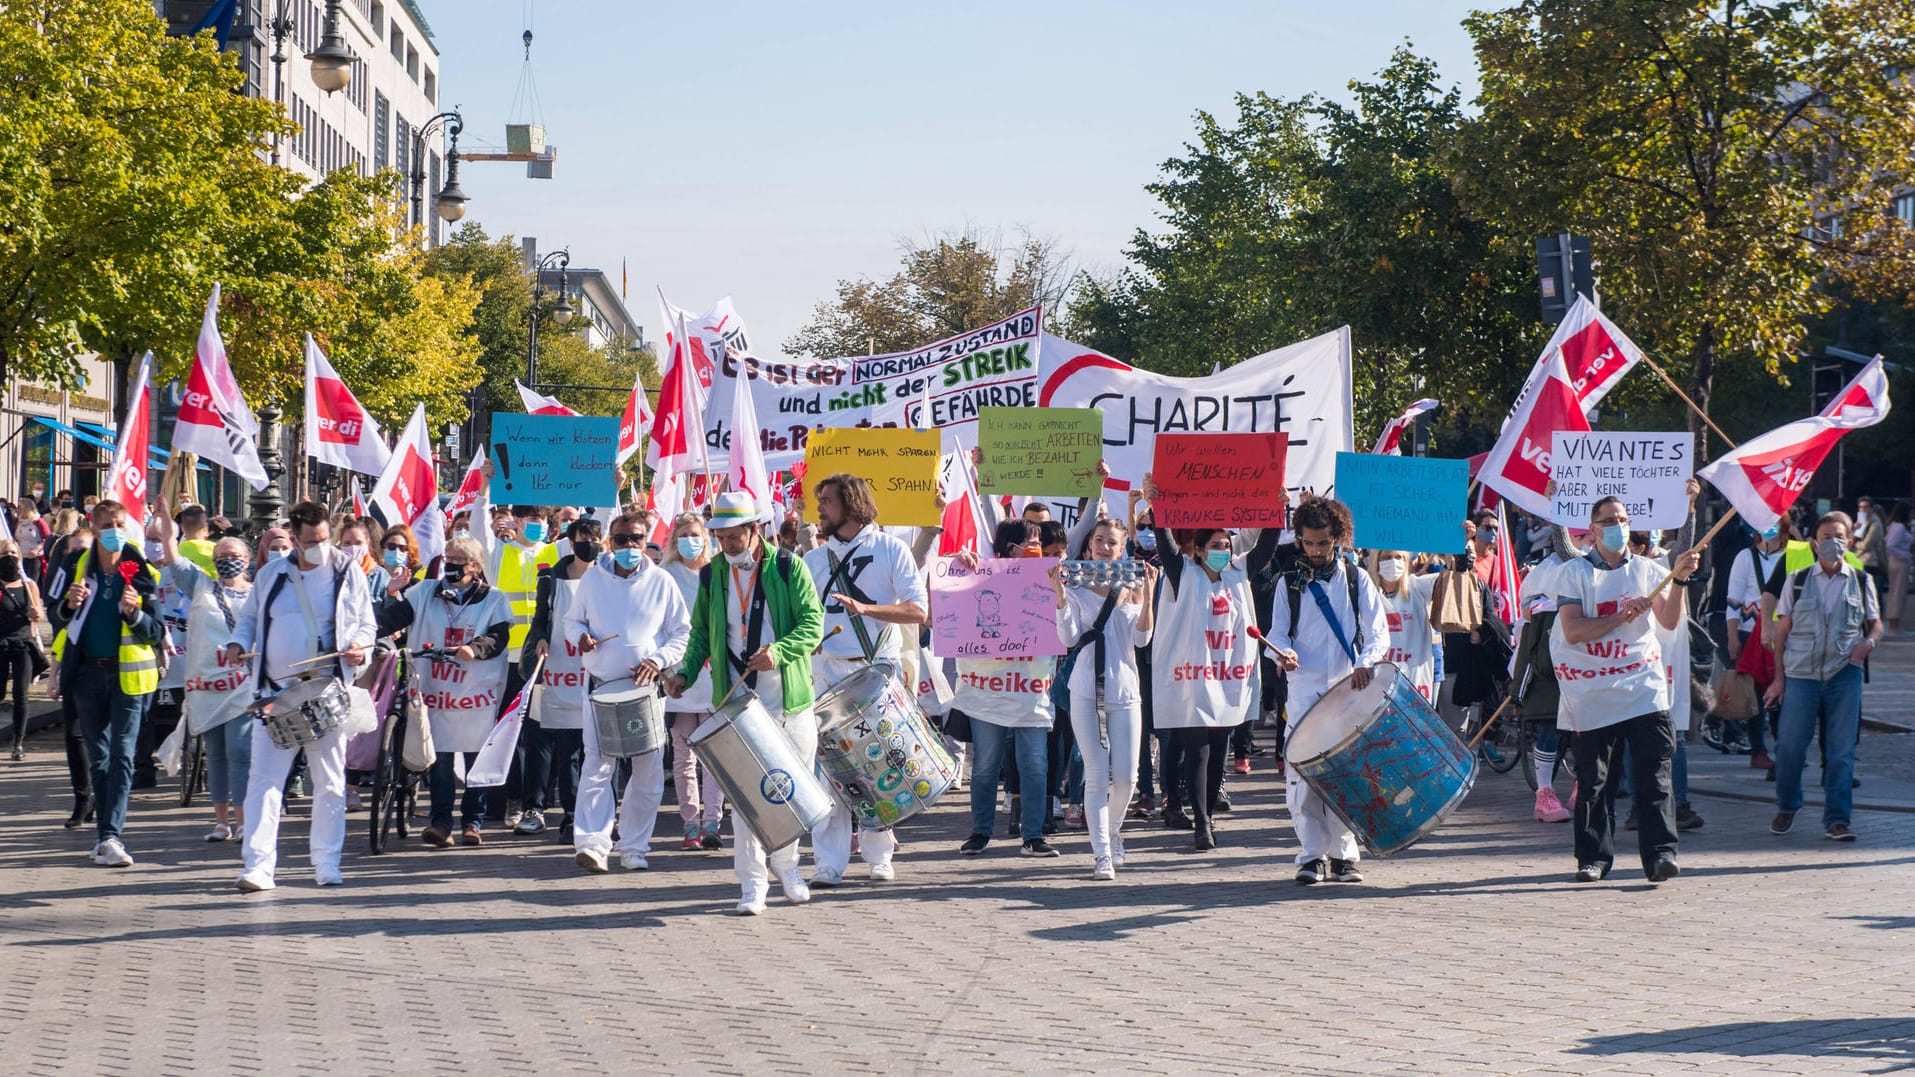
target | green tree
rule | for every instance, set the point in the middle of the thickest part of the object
(127, 159)
(948, 283)
(1305, 215)
(1731, 160)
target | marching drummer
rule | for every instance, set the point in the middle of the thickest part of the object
(305, 608)
(757, 618)
(873, 593)
(631, 624)
(1336, 627)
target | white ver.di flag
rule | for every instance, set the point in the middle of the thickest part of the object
(214, 420)
(338, 430)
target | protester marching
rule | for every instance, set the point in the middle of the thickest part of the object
(812, 599)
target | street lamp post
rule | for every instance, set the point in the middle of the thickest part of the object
(561, 314)
(332, 60)
(449, 202)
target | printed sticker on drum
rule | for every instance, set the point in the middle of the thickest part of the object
(777, 786)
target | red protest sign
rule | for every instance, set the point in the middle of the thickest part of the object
(1219, 480)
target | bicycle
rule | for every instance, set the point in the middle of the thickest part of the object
(395, 787)
(1500, 747)
(192, 769)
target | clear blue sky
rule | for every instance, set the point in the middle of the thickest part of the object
(767, 150)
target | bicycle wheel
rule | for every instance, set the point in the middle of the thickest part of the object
(385, 786)
(192, 769)
(1501, 750)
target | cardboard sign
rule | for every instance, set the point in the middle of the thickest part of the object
(1219, 480)
(1042, 451)
(901, 466)
(1004, 608)
(1649, 471)
(554, 460)
(1410, 503)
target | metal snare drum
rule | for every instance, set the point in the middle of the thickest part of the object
(629, 718)
(882, 756)
(770, 786)
(303, 712)
(1382, 759)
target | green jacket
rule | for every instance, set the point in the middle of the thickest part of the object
(791, 605)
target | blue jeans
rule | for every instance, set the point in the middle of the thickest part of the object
(1803, 701)
(109, 726)
(229, 758)
(988, 745)
(472, 805)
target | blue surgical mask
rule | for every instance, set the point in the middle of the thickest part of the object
(1655, 540)
(1218, 560)
(1614, 537)
(690, 546)
(534, 530)
(278, 555)
(1774, 532)
(394, 559)
(1147, 540)
(112, 540)
(627, 556)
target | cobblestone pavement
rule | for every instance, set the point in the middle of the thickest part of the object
(1471, 953)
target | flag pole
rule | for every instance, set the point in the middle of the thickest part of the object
(1701, 544)
(1664, 375)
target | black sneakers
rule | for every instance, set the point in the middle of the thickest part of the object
(1344, 871)
(1591, 873)
(1312, 873)
(1039, 847)
(974, 844)
(1664, 869)
(1687, 818)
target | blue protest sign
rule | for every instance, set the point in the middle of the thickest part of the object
(554, 460)
(1410, 503)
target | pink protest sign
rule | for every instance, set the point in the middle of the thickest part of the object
(1001, 609)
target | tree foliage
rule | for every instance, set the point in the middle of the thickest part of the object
(947, 284)
(1730, 160)
(1304, 215)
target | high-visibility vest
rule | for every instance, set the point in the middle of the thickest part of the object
(518, 581)
(139, 660)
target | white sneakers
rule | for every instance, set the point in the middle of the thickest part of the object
(826, 878)
(111, 854)
(751, 906)
(328, 877)
(633, 862)
(796, 891)
(1103, 871)
(254, 881)
(883, 873)
(1117, 850)
(591, 860)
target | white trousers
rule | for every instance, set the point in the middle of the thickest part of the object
(1319, 831)
(637, 813)
(749, 857)
(831, 842)
(265, 794)
(1109, 773)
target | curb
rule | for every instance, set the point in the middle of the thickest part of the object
(1883, 725)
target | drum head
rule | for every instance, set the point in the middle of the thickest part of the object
(1340, 713)
(741, 701)
(301, 692)
(623, 690)
(852, 696)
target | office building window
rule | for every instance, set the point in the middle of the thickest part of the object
(398, 44)
(1905, 208)
(401, 148)
(412, 63)
(381, 131)
(376, 15)
(432, 86)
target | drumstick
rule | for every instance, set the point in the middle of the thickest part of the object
(1507, 700)
(821, 641)
(1279, 652)
(321, 658)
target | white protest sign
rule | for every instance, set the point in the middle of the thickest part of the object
(1648, 471)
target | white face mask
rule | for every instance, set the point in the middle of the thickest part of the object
(1391, 570)
(357, 553)
(744, 560)
(315, 555)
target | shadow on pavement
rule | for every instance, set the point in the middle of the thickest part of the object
(1840, 1043)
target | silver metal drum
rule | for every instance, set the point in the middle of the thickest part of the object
(305, 711)
(882, 756)
(629, 718)
(769, 785)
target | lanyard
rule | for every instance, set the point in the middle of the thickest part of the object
(754, 621)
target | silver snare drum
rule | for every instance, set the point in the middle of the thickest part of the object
(304, 711)
(629, 718)
(770, 787)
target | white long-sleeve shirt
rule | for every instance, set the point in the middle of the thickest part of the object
(1121, 640)
(644, 610)
(1321, 661)
(1750, 569)
(291, 638)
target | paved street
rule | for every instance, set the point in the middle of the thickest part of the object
(1471, 953)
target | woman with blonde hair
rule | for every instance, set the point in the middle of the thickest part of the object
(701, 804)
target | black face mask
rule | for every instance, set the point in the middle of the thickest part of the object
(9, 567)
(586, 551)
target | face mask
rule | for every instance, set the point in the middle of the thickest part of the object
(394, 559)
(1774, 532)
(585, 551)
(229, 568)
(1487, 536)
(461, 533)
(627, 556)
(1831, 550)
(111, 540)
(1391, 570)
(1147, 540)
(356, 552)
(743, 560)
(534, 530)
(690, 547)
(453, 575)
(316, 554)
(152, 549)
(1655, 540)
(1218, 560)
(1614, 537)
(9, 567)
(278, 555)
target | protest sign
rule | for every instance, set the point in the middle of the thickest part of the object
(1648, 471)
(1004, 608)
(1040, 451)
(900, 465)
(1219, 480)
(1410, 503)
(554, 460)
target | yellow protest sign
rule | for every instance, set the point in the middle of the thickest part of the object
(901, 466)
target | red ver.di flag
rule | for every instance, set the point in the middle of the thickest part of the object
(1763, 477)
(126, 483)
(1518, 466)
(1219, 480)
(408, 490)
(214, 420)
(338, 430)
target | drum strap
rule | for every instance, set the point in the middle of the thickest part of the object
(1095, 638)
(1330, 617)
(837, 582)
(754, 630)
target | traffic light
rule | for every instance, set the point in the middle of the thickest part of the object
(1565, 270)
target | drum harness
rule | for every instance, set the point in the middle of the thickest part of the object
(1323, 604)
(838, 582)
(1095, 638)
(754, 620)
(305, 608)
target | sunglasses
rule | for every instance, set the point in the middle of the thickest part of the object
(398, 546)
(625, 539)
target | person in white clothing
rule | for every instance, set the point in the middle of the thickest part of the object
(314, 603)
(1756, 569)
(1334, 623)
(1105, 626)
(701, 800)
(873, 593)
(631, 623)
(1406, 605)
(561, 702)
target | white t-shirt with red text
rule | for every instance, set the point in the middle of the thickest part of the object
(1011, 692)
(1621, 675)
(1412, 647)
(1203, 665)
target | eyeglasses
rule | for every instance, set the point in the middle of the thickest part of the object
(626, 539)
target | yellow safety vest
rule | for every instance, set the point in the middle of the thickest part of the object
(139, 661)
(519, 581)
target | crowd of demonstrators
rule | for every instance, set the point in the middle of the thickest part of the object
(1162, 682)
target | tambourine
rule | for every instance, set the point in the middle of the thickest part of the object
(1123, 573)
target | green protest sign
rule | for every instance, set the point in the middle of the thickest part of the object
(1040, 451)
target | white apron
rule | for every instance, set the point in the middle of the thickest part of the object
(559, 702)
(1412, 648)
(461, 697)
(1614, 679)
(216, 692)
(1203, 663)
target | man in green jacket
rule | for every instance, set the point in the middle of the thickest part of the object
(757, 617)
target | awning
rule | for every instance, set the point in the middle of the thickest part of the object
(72, 432)
(99, 436)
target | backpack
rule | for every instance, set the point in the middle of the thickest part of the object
(1295, 585)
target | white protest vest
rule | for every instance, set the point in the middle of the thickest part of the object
(559, 702)
(1620, 676)
(216, 692)
(1411, 647)
(1203, 663)
(462, 697)
(172, 604)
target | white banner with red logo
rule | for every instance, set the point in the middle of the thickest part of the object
(633, 425)
(126, 482)
(408, 489)
(1390, 441)
(338, 430)
(1595, 353)
(1763, 477)
(214, 420)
